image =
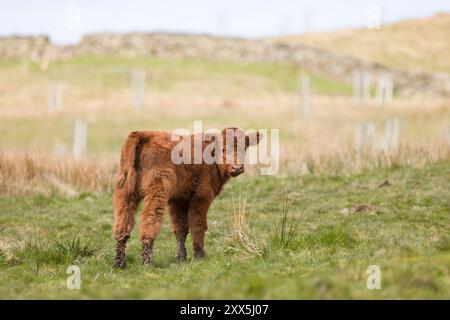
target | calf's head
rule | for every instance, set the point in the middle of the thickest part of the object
(234, 145)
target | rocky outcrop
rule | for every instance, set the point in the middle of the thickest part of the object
(32, 48)
(180, 46)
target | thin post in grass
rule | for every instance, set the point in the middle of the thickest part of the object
(366, 83)
(391, 134)
(384, 90)
(138, 78)
(359, 136)
(80, 132)
(305, 92)
(380, 93)
(371, 134)
(389, 90)
(357, 87)
(365, 136)
(55, 96)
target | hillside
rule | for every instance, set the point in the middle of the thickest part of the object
(415, 45)
(413, 52)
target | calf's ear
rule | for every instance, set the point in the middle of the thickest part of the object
(253, 138)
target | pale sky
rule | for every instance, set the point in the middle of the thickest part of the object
(242, 18)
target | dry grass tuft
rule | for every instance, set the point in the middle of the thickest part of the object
(35, 173)
(342, 158)
(242, 239)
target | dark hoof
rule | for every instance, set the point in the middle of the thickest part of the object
(181, 255)
(147, 253)
(199, 253)
(120, 263)
(146, 262)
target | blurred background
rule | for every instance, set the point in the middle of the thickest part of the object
(350, 87)
(360, 93)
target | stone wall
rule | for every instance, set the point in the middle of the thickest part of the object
(169, 46)
(30, 48)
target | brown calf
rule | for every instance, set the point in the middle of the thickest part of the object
(148, 173)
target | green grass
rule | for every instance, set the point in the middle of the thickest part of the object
(94, 80)
(348, 223)
(277, 76)
(92, 73)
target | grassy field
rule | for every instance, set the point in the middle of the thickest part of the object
(56, 211)
(220, 94)
(343, 225)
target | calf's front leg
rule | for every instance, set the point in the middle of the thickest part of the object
(179, 223)
(198, 210)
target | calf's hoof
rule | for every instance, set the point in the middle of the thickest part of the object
(147, 254)
(148, 262)
(181, 254)
(120, 262)
(199, 253)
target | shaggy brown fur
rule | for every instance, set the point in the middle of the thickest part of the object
(148, 174)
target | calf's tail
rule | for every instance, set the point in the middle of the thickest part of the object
(127, 175)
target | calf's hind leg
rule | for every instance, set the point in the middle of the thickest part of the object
(124, 210)
(151, 221)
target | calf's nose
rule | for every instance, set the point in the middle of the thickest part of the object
(237, 167)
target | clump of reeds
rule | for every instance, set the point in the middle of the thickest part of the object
(284, 235)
